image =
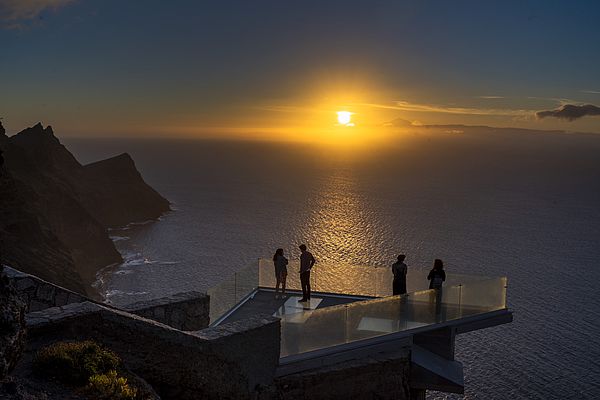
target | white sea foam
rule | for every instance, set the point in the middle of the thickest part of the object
(109, 294)
(149, 221)
(115, 238)
(123, 272)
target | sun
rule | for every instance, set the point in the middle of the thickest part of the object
(345, 118)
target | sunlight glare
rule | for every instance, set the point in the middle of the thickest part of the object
(344, 118)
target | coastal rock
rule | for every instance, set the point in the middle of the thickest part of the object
(54, 211)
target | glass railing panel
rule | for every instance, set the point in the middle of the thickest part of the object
(337, 325)
(222, 298)
(230, 291)
(267, 274)
(380, 317)
(311, 331)
(246, 281)
(485, 295)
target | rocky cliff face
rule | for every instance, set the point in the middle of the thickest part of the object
(12, 326)
(117, 181)
(54, 211)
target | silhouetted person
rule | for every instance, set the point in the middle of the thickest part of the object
(399, 270)
(306, 263)
(436, 278)
(280, 263)
(437, 275)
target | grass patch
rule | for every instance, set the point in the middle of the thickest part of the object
(88, 366)
(111, 386)
(74, 362)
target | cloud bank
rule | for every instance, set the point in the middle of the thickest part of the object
(570, 112)
(14, 12)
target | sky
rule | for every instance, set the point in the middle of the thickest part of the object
(281, 69)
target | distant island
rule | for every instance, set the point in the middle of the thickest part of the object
(55, 212)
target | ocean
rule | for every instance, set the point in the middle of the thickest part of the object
(513, 203)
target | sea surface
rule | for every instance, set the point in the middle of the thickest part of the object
(499, 203)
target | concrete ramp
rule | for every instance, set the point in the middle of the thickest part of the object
(432, 372)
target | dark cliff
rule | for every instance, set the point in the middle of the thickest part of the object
(54, 211)
(117, 181)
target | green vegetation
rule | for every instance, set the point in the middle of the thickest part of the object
(74, 362)
(86, 364)
(111, 386)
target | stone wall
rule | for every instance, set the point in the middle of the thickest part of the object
(381, 377)
(232, 361)
(185, 311)
(39, 294)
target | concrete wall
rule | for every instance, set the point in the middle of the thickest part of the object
(185, 311)
(381, 377)
(39, 294)
(232, 361)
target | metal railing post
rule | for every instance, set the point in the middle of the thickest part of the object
(460, 300)
(347, 339)
(376, 282)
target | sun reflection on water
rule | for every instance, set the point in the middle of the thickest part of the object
(342, 231)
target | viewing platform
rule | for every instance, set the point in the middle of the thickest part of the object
(352, 315)
(352, 340)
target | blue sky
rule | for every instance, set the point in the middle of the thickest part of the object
(95, 67)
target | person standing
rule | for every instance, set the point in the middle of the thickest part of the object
(399, 270)
(437, 275)
(306, 263)
(436, 278)
(280, 263)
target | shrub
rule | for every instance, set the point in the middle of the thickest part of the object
(111, 386)
(74, 362)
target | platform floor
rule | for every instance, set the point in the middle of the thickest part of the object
(264, 302)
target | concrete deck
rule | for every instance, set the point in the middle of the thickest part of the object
(264, 302)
